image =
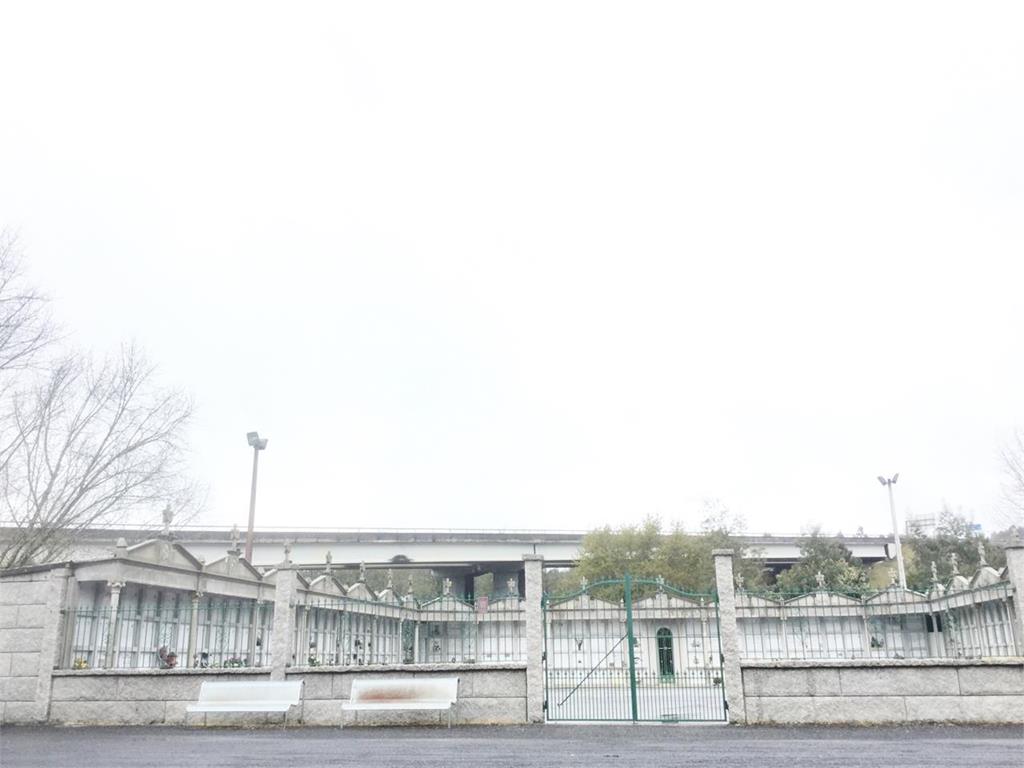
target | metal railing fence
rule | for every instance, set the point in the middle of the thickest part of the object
(343, 631)
(891, 624)
(213, 634)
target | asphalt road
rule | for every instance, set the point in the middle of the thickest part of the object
(548, 745)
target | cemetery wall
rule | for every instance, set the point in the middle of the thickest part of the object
(883, 692)
(488, 694)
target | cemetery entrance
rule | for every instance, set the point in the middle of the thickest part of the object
(632, 650)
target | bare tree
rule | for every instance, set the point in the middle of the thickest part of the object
(91, 445)
(1013, 471)
(25, 327)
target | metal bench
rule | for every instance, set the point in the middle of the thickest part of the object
(249, 696)
(438, 693)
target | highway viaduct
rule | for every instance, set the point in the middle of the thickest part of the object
(457, 553)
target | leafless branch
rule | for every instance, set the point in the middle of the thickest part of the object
(90, 445)
(1013, 477)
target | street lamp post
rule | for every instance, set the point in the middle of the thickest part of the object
(257, 446)
(889, 483)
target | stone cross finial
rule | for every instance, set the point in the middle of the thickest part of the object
(168, 517)
(287, 551)
(739, 580)
(584, 583)
(952, 561)
(408, 586)
(820, 578)
(981, 553)
(391, 580)
(660, 581)
(362, 572)
(328, 563)
(513, 586)
(892, 576)
(447, 586)
(235, 538)
(935, 573)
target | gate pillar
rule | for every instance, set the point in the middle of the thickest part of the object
(534, 566)
(729, 636)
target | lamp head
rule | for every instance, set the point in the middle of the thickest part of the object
(881, 480)
(255, 442)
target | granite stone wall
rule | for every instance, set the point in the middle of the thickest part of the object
(884, 692)
(488, 694)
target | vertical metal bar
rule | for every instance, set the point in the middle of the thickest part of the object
(629, 644)
(721, 656)
(545, 657)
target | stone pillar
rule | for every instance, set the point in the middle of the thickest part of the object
(282, 634)
(1015, 575)
(729, 635)
(534, 637)
(114, 625)
(51, 645)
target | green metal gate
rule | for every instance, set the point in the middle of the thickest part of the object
(632, 650)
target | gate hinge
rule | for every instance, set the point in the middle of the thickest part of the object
(544, 656)
(721, 658)
(726, 703)
(545, 707)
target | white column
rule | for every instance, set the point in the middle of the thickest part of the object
(113, 627)
(193, 630)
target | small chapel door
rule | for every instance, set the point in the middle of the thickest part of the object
(666, 660)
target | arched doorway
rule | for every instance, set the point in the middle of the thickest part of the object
(666, 660)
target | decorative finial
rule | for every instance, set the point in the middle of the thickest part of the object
(362, 573)
(328, 563)
(660, 581)
(391, 580)
(739, 580)
(584, 583)
(408, 587)
(935, 573)
(820, 578)
(287, 551)
(952, 561)
(122, 547)
(235, 538)
(168, 517)
(892, 577)
(513, 586)
(447, 586)
(981, 554)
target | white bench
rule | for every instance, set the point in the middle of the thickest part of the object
(249, 696)
(438, 693)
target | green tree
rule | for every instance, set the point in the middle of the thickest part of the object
(953, 536)
(682, 559)
(828, 560)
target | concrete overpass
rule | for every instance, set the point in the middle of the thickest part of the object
(454, 551)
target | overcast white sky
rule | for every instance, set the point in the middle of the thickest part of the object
(542, 264)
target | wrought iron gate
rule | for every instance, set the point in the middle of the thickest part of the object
(632, 650)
